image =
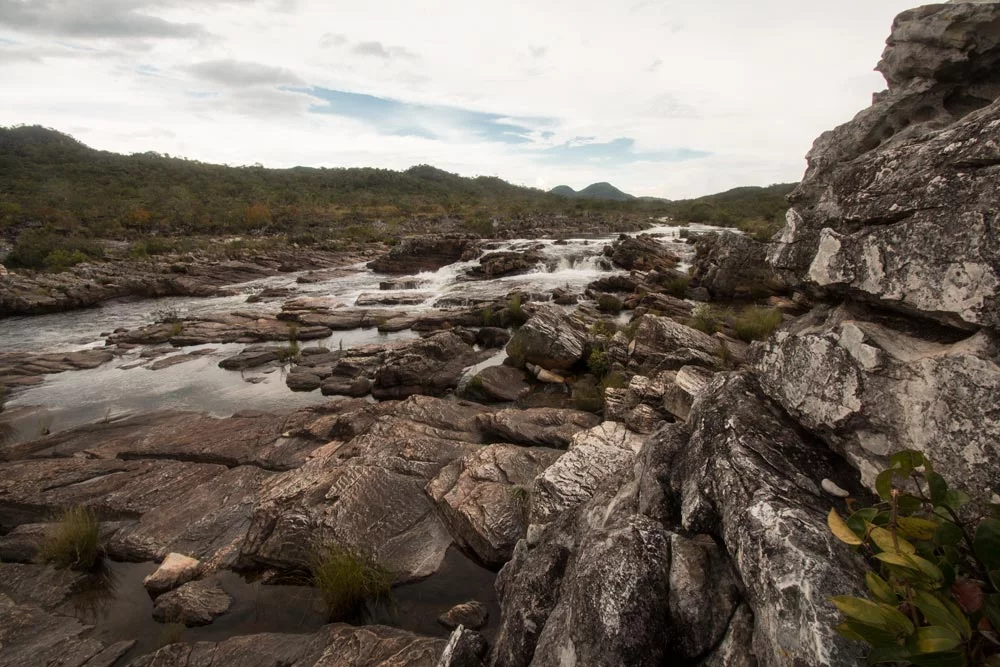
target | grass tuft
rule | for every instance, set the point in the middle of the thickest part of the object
(677, 287)
(756, 323)
(515, 313)
(75, 542)
(346, 579)
(609, 303)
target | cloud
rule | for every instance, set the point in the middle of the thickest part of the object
(538, 51)
(379, 50)
(94, 19)
(330, 39)
(237, 73)
(615, 153)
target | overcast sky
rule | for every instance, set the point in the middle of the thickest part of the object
(659, 97)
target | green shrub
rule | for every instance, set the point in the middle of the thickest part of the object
(604, 328)
(346, 579)
(487, 316)
(172, 633)
(598, 363)
(515, 313)
(705, 318)
(614, 381)
(677, 287)
(44, 249)
(289, 353)
(74, 541)
(521, 496)
(934, 590)
(609, 303)
(756, 323)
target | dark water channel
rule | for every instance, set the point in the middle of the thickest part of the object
(119, 607)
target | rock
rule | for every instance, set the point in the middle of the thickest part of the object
(338, 386)
(735, 649)
(484, 497)
(270, 293)
(227, 328)
(640, 253)
(502, 383)
(506, 263)
(335, 645)
(546, 427)
(660, 304)
(194, 603)
(564, 297)
(31, 637)
(425, 253)
(251, 357)
(402, 284)
(427, 366)
(544, 376)
(176, 359)
(302, 381)
(492, 337)
(19, 369)
(640, 405)
(896, 204)
(870, 390)
(472, 615)
(176, 569)
(661, 344)
(731, 266)
(689, 383)
(594, 456)
(380, 299)
(551, 338)
(465, 648)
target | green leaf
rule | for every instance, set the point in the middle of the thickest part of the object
(987, 543)
(841, 530)
(881, 616)
(888, 654)
(906, 460)
(927, 568)
(942, 612)
(948, 534)
(936, 639)
(917, 528)
(858, 522)
(992, 610)
(883, 484)
(886, 542)
(881, 589)
(908, 504)
(949, 659)
(900, 560)
(866, 633)
(938, 488)
(956, 499)
(995, 579)
(845, 630)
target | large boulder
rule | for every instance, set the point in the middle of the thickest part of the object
(731, 265)
(545, 427)
(898, 206)
(505, 263)
(870, 390)
(662, 344)
(194, 603)
(429, 366)
(551, 338)
(426, 253)
(640, 253)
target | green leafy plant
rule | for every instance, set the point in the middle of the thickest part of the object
(934, 591)
(609, 303)
(346, 579)
(677, 287)
(74, 541)
(598, 362)
(706, 319)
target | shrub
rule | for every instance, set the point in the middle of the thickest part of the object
(677, 287)
(172, 633)
(597, 362)
(346, 579)
(706, 319)
(43, 249)
(604, 328)
(609, 303)
(756, 323)
(934, 590)
(515, 313)
(289, 353)
(521, 496)
(75, 540)
(614, 381)
(487, 316)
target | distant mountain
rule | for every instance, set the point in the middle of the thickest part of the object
(602, 190)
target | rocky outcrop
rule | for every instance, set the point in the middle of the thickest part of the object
(731, 265)
(507, 263)
(472, 615)
(898, 206)
(429, 366)
(551, 338)
(175, 570)
(500, 383)
(226, 328)
(662, 344)
(640, 253)
(426, 253)
(545, 427)
(23, 370)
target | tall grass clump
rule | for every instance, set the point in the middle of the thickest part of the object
(515, 313)
(75, 542)
(346, 579)
(677, 287)
(756, 323)
(706, 319)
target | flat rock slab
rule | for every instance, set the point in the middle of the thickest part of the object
(546, 427)
(194, 603)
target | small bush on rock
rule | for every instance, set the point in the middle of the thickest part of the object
(677, 287)
(346, 579)
(609, 303)
(706, 319)
(756, 323)
(75, 541)
(934, 590)
(598, 363)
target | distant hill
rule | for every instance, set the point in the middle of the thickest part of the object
(603, 191)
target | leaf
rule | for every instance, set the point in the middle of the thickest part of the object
(917, 528)
(956, 499)
(949, 659)
(987, 543)
(968, 596)
(844, 630)
(995, 579)
(948, 534)
(858, 522)
(938, 488)
(908, 504)
(992, 610)
(900, 560)
(936, 639)
(881, 589)
(881, 616)
(927, 568)
(942, 612)
(860, 632)
(906, 460)
(883, 484)
(888, 654)
(841, 530)
(886, 542)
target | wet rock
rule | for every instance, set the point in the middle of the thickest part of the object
(603, 452)
(430, 365)
(492, 337)
(551, 338)
(484, 497)
(194, 603)
(501, 383)
(303, 381)
(175, 359)
(402, 283)
(546, 427)
(381, 299)
(472, 615)
(507, 263)
(732, 266)
(228, 328)
(869, 390)
(252, 357)
(896, 205)
(270, 293)
(425, 253)
(20, 369)
(564, 297)
(336, 645)
(175, 570)
(641, 253)
(465, 648)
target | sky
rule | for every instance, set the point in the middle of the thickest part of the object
(661, 98)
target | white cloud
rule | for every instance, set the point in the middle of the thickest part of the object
(751, 83)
